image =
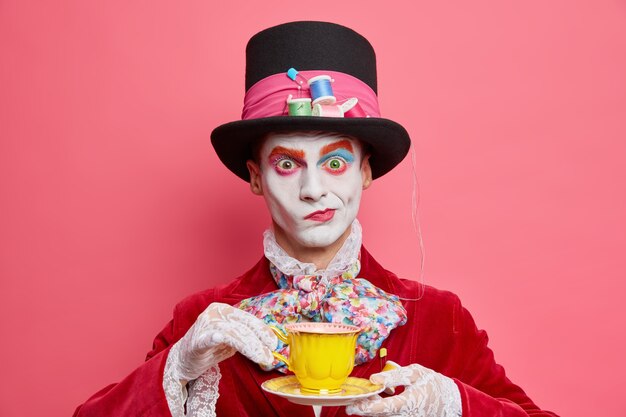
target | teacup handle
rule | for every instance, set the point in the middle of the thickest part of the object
(283, 338)
(281, 358)
(279, 334)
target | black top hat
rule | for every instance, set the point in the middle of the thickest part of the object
(310, 76)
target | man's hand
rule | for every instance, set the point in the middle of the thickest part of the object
(219, 332)
(426, 393)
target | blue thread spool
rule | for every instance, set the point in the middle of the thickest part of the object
(321, 91)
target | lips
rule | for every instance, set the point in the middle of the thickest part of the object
(321, 215)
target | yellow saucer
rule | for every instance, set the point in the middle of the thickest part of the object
(353, 389)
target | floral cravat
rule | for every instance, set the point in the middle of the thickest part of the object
(338, 297)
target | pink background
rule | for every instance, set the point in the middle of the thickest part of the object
(114, 207)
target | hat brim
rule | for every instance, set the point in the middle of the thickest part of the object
(388, 141)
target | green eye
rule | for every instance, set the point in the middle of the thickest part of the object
(334, 164)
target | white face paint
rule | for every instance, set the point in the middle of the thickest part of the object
(312, 185)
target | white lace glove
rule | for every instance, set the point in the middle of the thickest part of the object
(219, 332)
(426, 393)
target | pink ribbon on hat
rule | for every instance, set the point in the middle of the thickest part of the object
(267, 97)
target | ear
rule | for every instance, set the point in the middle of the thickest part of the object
(255, 177)
(366, 172)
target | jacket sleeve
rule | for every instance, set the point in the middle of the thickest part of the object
(485, 389)
(141, 392)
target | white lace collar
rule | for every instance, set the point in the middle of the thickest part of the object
(347, 255)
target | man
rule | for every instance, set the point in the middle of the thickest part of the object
(310, 142)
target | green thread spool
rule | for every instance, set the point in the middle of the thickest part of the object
(299, 106)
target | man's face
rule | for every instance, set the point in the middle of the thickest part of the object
(312, 185)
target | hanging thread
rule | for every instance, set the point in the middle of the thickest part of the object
(417, 228)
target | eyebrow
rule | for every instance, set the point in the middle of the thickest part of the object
(292, 153)
(342, 144)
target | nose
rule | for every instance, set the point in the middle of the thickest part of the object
(312, 186)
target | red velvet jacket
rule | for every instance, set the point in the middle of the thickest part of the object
(440, 334)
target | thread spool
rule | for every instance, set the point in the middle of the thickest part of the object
(327, 110)
(352, 108)
(299, 106)
(321, 91)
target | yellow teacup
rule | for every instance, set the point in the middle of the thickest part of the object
(320, 354)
